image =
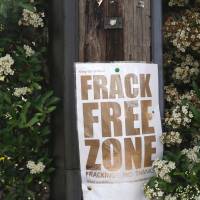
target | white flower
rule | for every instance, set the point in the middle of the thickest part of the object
(188, 69)
(28, 51)
(185, 70)
(154, 192)
(35, 168)
(30, 18)
(170, 197)
(171, 93)
(171, 138)
(162, 169)
(183, 33)
(176, 3)
(179, 116)
(21, 91)
(188, 192)
(5, 66)
(192, 154)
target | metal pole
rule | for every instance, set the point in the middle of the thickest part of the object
(63, 25)
(157, 46)
(71, 48)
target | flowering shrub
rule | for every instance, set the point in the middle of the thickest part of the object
(31, 18)
(184, 33)
(163, 168)
(171, 138)
(25, 101)
(177, 2)
(177, 175)
(5, 66)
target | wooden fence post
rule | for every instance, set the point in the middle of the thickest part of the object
(80, 30)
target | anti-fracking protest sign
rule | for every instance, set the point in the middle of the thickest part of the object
(119, 126)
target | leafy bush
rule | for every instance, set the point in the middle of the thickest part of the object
(25, 101)
(177, 175)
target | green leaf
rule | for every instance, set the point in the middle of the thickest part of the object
(23, 115)
(53, 100)
(196, 88)
(28, 179)
(34, 120)
(195, 112)
(46, 97)
(51, 109)
(26, 6)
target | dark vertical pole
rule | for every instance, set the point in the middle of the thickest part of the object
(63, 54)
(157, 47)
(71, 48)
(56, 60)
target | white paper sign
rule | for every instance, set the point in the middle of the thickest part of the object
(119, 126)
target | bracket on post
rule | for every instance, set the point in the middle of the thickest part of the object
(113, 23)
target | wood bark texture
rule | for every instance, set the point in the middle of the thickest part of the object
(130, 43)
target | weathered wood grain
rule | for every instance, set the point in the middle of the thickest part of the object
(114, 37)
(92, 36)
(132, 43)
(137, 37)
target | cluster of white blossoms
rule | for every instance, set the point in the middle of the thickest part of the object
(185, 74)
(153, 193)
(162, 169)
(174, 97)
(35, 168)
(171, 93)
(189, 96)
(6, 63)
(30, 18)
(18, 92)
(170, 197)
(189, 192)
(192, 154)
(185, 193)
(171, 138)
(177, 2)
(187, 71)
(182, 39)
(179, 116)
(184, 33)
(28, 51)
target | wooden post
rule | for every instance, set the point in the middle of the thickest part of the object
(132, 42)
(78, 32)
